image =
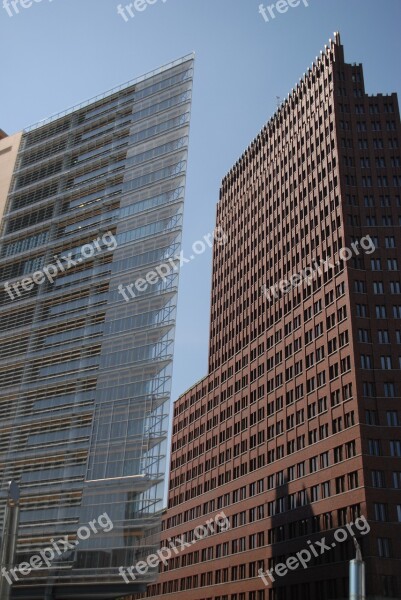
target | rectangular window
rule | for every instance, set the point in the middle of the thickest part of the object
(392, 418)
(381, 511)
(383, 546)
(378, 480)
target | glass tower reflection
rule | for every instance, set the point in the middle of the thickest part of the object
(86, 376)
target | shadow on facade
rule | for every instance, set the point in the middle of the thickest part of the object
(308, 536)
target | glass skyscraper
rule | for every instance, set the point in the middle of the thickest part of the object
(92, 201)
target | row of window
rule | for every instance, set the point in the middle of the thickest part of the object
(289, 327)
(258, 371)
(380, 311)
(374, 109)
(381, 181)
(327, 588)
(387, 362)
(393, 447)
(369, 201)
(322, 461)
(313, 409)
(310, 525)
(380, 162)
(378, 287)
(372, 221)
(362, 126)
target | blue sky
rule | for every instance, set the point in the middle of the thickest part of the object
(56, 54)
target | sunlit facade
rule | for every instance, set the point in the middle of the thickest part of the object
(85, 375)
(295, 431)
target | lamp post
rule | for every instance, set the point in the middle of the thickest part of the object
(9, 539)
(357, 575)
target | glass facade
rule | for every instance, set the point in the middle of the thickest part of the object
(95, 204)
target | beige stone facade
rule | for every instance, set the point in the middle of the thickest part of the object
(9, 146)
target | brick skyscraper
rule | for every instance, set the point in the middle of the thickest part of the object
(295, 431)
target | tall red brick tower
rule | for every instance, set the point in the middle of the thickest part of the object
(295, 432)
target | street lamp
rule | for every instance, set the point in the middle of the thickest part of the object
(9, 539)
(357, 575)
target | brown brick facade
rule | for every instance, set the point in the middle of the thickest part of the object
(296, 430)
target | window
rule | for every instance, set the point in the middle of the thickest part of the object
(332, 345)
(313, 464)
(378, 480)
(397, 480)
(389, 390)
(337, 425)
(324, 460)
(371, 417)
(323, 431)
(353, 480)
(335, 398)
(312, 436)
(383, 546)
(385, 362)
(381, 312)
(395, 448)
(389, 586)
(381, 511)
(338, 454)
(349, 419)
(325, 489)
(374, 447)
(369, 389)
(347, 391)
(364, 336)
(366, 361)
(314, 493)
(362, 310)
(390, 242)
(360, 287)
(340, 484)
(392, 418)
(383, 336)
(322, 404)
